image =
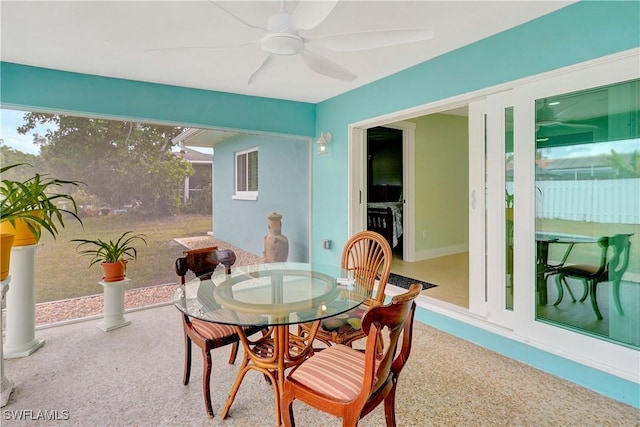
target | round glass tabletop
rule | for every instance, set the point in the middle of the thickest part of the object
(270, 294)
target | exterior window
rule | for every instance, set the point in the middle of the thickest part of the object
(247, 174)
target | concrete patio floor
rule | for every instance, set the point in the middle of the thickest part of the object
(132, 377)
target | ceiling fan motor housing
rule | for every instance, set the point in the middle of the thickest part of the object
(282, 43)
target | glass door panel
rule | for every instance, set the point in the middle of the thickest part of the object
(587, 177)
(508, 204)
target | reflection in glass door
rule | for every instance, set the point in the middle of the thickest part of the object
(587, 177)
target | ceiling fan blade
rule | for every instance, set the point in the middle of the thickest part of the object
(309, 14)
(237, 18)
(325, 67)
(363, 40)
(261, 68)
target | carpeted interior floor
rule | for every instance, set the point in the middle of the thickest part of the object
(132, 376)
(405, 282)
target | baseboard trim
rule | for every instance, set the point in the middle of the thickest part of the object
(439, 252)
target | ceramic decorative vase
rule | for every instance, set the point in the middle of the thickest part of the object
(276, 244)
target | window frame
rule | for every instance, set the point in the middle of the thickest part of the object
(243, 194)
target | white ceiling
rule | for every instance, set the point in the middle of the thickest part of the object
(113, 38)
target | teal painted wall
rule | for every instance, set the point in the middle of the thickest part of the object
(39, 89)
(580, 32)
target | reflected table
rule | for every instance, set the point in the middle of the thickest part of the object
(274, 295)
(543, 268)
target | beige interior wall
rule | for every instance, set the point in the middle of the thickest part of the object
(442, 174)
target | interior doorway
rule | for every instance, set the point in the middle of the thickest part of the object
(384, 185)
(432, 194)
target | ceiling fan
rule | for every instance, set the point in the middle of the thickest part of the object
(284, 32)
(546, 116)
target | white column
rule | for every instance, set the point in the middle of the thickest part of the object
(6, 385)
(20, 339)
(113, 313)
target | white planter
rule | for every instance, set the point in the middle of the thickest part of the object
(6, 385)
(20, 334)
(113, 312)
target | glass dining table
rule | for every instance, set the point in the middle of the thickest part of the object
(277, 296)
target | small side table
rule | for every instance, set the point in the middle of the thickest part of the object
(6, 385)
(113, 313)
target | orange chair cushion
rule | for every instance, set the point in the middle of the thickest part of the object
(336, 372)
(212, 331)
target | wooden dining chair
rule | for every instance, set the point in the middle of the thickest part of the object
(350, 383)
(614, 260)
(206, 335)
(367, 256)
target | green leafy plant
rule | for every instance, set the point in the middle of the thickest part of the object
(36, 201)
(115, 250)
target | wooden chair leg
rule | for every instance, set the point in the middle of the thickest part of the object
(187, 360)
(616, 296)
(390, 407)
(594, 300)
(287, 411)
(206, 380)
(234, 353)
(585, 291)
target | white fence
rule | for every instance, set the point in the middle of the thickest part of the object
(612, 201)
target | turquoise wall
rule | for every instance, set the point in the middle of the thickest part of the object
(31, 88)
(580, 32)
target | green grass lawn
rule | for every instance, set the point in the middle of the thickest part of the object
(62, 273)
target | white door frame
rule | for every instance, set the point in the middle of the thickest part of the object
(358, 180)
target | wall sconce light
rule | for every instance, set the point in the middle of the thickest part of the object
(322, 142)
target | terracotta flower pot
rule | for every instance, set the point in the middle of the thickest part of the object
(114, 271)
(23, 235)
(6, 241)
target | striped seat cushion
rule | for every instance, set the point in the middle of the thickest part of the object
(212, 330)
(336, 372)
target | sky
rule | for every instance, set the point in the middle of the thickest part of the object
(10, 120)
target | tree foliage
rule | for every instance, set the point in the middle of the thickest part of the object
(11, 156)
(624, 167)
(120, 161)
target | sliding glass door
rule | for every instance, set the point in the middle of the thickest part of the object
(587, 216)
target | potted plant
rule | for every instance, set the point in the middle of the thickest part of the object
(26, 207)
(112, 255)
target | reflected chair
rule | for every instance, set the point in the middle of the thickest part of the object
(207, 336)
(614, 260)
(350, 383)
(367, 256)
